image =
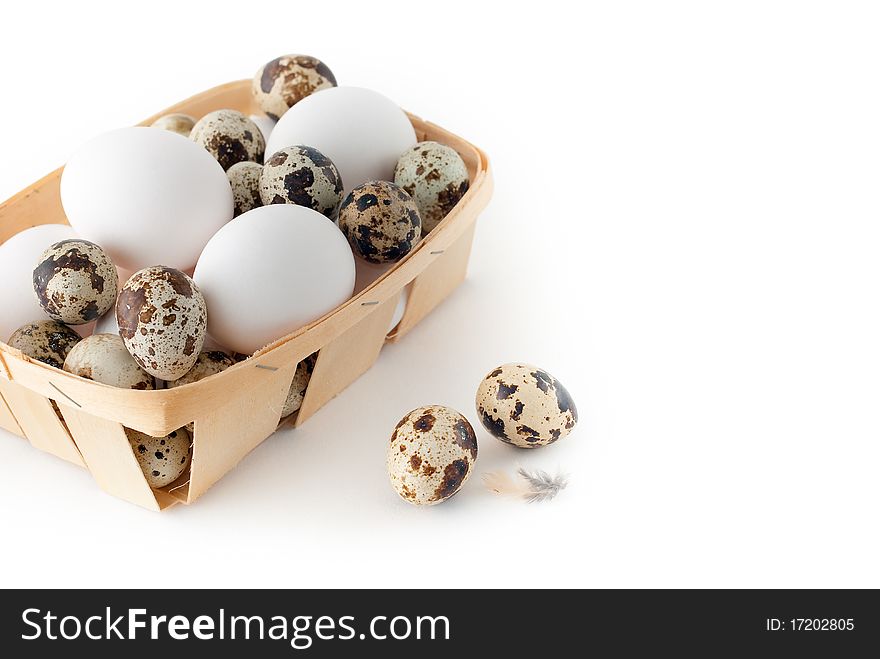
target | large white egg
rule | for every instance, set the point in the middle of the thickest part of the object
(270, 271)
(264, 123)
(18, 258)
(361, 131)
(147, 196)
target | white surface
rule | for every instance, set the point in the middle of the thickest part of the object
(18, 258)
(362, 131)
(684, 232)
(147, 196)
(271, 271)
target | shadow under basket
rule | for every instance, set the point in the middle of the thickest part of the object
(237, 409)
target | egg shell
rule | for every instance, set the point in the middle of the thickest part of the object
(303, 176)
(264, 123)
(244, 177)
(286, 80)
(525, 406)
(162, 459)
(179, 123)
(435, 177)
(162, 319)
(47, 341)
(381, 222)
(297, 392)
(104, 358)
(210, 362)
(75, 282)
(271, 271)
(146, 197)
(361, 131)
(230, 137)
(431, 454)
(18, 255)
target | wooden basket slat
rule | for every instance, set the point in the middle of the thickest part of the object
(7, 421)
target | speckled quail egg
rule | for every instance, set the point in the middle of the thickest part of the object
(75, 282)
(244, 177)
(47, 341)
(436, 177)
(179, 123)
(298, 386)
(525, 406)
(230, 137)
(288, 79)
(210, 362)
(103, 358)
(162, 320)
(381, 222)
(303, 176)
(431, 454)
(162, 459)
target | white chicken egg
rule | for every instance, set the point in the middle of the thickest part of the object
(265, 124)
(146, 196)
(360, 130)
(270, 271)
(18, 256)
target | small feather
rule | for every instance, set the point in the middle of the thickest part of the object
(533, 487)
(501, 483)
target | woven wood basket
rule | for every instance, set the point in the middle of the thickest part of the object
(233, 410)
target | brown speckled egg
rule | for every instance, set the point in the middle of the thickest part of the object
(210, 362)
(103, 358)
(298, 386)
(436, 177)
(162, 459)
(431, 454)
(162, 320)
(230, 137)
(47, 341)
(75, 282)
(244, 177)
(182, 124)
(303, 176)
(525, 406)
(288, 79)
(381, 222)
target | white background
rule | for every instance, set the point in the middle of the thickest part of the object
(684, 231)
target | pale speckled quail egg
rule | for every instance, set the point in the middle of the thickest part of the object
(162, 320)
(381, 222)
(179, 123)
(432, 452)
(436, 177)
(103, 358)
(47, 341)
(303, 176)
(162, 459)
(230, 137)
(298, 386)
(210, 362)
(75, 282)
(525, 406)
(244, 177)
(288, 79)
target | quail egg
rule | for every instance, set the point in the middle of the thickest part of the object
(288, 79)
(525, 406)
(244, 177)
(162, 459)
(230, 137)
(103, 358)
(303, 176)
(298, 386)
(436, 178)
(381, 221)
(75, 282)
(431, 454)
(210, 362)
(162, 320)
(47, 341)
(182, 124)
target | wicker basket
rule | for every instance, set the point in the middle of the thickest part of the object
(233, 410)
